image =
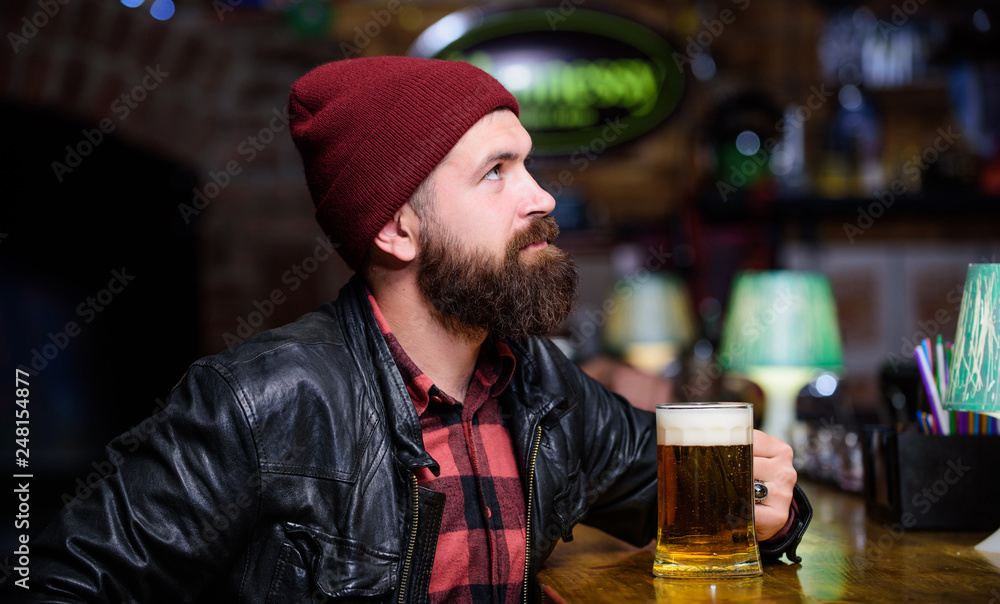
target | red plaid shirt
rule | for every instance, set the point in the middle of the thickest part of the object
(480, 552)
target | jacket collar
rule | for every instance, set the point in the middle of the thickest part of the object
(527, 403)
(369, 349)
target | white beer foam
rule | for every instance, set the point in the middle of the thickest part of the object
(704, 427)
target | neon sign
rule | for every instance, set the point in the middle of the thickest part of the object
(574, 74)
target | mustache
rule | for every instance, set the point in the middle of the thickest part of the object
(540, 230)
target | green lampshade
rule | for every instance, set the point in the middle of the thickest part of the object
(974, 377)
(781, 319)
(651, 322)
(781, 332)
(653, 311)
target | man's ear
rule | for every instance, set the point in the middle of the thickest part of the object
(398, 237)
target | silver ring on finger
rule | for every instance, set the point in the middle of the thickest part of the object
(759, 491)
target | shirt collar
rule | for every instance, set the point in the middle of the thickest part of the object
(494, 369)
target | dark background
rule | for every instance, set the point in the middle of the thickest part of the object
(196, 281)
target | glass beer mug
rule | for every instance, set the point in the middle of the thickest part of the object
(705, 480)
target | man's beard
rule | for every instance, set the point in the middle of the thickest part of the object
(508, 298)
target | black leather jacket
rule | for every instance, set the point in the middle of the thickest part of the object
(281, 471)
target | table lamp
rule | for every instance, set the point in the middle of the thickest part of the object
(974, 378)
(652, 323)
(781, 332)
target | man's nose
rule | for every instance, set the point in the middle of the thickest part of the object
(538, 202)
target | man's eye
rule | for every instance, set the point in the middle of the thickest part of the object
(493, 174)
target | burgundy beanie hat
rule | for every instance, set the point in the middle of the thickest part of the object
(371, 129)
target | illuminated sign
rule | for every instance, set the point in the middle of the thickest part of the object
(578, 75)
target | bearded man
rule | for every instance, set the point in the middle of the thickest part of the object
(416, 440)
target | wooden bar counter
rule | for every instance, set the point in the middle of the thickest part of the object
(846, 557)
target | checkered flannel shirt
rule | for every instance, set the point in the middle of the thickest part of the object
(480, 553)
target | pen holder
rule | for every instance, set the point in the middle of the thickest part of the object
(932, 482)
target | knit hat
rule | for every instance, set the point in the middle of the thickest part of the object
(370, 130)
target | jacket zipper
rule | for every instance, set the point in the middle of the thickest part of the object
(413, 539)
(527, 523)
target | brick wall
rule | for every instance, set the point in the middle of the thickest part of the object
(226, 79)
(220, 83)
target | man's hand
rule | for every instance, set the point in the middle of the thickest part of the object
(772, 464)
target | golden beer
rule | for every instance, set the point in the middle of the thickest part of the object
(705, 480)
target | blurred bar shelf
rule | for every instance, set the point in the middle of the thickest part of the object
(957, 203)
